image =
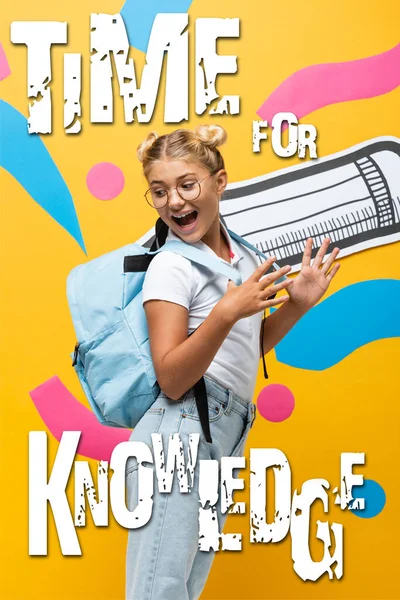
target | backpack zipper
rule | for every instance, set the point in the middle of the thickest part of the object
(75, 354)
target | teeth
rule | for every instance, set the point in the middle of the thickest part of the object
(184, 215)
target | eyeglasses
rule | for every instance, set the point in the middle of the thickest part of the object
(158, 197)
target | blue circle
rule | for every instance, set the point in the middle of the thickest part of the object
(374, 498)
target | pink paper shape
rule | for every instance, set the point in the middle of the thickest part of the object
(275, 402)
(4, 66)
(61, 411)
(105, 181)
(320, 85)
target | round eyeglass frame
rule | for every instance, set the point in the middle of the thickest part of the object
(177, 191)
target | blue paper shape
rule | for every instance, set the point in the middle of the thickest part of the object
(26, 158)
(343, 322)
(374, 498)
(139, 17)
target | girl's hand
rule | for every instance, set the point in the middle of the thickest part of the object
(251, 296)
(312, 282)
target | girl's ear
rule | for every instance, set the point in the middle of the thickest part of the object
(222, 181)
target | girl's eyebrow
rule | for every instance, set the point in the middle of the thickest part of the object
(180, 177)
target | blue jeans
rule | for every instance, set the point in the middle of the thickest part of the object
(163, 561)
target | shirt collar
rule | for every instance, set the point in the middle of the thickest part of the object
(234, 247)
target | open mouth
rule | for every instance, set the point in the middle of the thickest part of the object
(187, 220)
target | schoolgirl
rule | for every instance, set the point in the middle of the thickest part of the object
(201, 325)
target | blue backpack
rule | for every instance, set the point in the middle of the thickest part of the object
(112, 356)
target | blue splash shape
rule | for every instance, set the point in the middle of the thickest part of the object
(139, 16)
(27, 159)
(375, 498)
(343, 322)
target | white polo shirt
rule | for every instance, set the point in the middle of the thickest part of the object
(173, 278)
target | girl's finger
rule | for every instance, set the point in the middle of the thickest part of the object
(260, 271)
(328, 263)
(321, 253)
(307, 253)
(333, 272)
(271, 277)
(273, 289)
(275, 301)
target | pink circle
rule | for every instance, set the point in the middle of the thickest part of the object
(105, 181)
(275, 402)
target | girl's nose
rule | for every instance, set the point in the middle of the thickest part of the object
(174, 199)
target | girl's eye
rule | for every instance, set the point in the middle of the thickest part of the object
(188, 185)
(158, 193)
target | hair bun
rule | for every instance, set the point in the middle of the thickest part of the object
(146, 145)
(211, 135)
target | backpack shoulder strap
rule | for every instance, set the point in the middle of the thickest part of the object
(244, 242)
(201, 258)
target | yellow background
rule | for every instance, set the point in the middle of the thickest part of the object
(352, 407)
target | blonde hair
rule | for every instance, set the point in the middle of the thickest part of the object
(200, 145)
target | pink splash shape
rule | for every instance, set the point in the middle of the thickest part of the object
(320, 85)
(61, 411)
(105, 181)
(5, 70)
(275, 402)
